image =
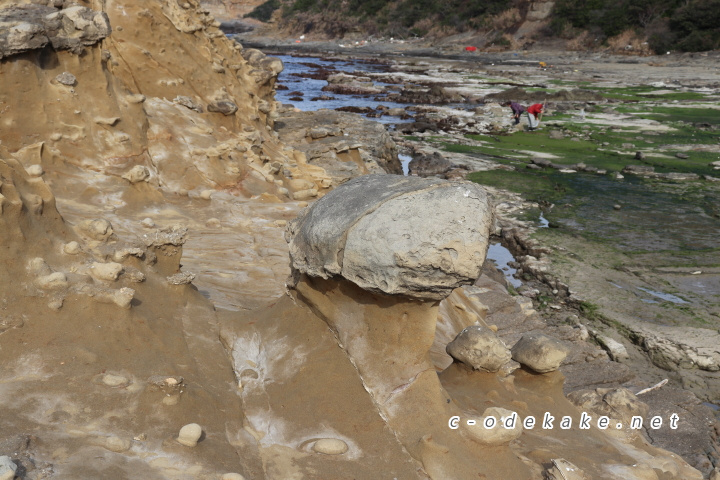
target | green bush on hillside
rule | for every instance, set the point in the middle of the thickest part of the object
(264, 11)
(687, 25)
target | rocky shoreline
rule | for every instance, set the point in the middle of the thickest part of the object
(654, 353)
(201, 282)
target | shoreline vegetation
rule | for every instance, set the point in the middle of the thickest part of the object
(641, 26)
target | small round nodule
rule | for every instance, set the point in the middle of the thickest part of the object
(190, 434)
(330, 446)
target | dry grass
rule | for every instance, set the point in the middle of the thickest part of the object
(629, 43)
(505, 20)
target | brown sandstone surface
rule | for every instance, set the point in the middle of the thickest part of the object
(108, 350)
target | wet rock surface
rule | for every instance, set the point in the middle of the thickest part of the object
(233, 186)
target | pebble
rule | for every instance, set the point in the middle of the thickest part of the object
(330, 446)
(117, 444)
(114, 380)
(213, 223)
(35, 170)
(55, 304)
(206, 194)
(137, 174)
(498, 434)
(71, 248)
(123, 297)
(106, 271)
(54, 281)
(56, 137)
(98, 229)
(190, 434)
(66, 78)
(7, 468)
(182, 278)
(148, 223)
(617, 207)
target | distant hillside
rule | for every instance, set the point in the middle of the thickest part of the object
(639, 26)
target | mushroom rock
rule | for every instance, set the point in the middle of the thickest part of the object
(337, 375)
(373, 258)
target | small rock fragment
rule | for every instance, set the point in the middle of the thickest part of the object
(122, 297)
(188, 102)
(213, 223)
(330, 446)
(497, 434)
(135, 98)
(190, 434)
(615, 349)
(106, 271)
(139, 173)
(147, 223)
(206, 194)
(123, 253)
(35, 170)
(109, 121)
(66, 78)
(682, 156)
(117, 444)
(56, 137)
(617, 207)
(54, 281)
(7, 468)
(479, 348)
(98, 229)
(225, 107)
(182, 278)
(71, 248)
(56, 304)
(38, 266)
(561, 469)
(539, 352)
(114, 380)
(305, 194)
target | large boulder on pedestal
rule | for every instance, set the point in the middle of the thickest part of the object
(396, 235)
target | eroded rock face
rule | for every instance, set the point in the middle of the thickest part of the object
(31, 27)
(396, 235)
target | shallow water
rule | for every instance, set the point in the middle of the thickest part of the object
(501, 256)
(312, 88)
(663, 296)
(405, 162)
(651, 219)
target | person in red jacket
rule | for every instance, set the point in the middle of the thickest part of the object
(533, 114)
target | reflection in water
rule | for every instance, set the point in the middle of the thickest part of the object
(664, 296)
(501, 256)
